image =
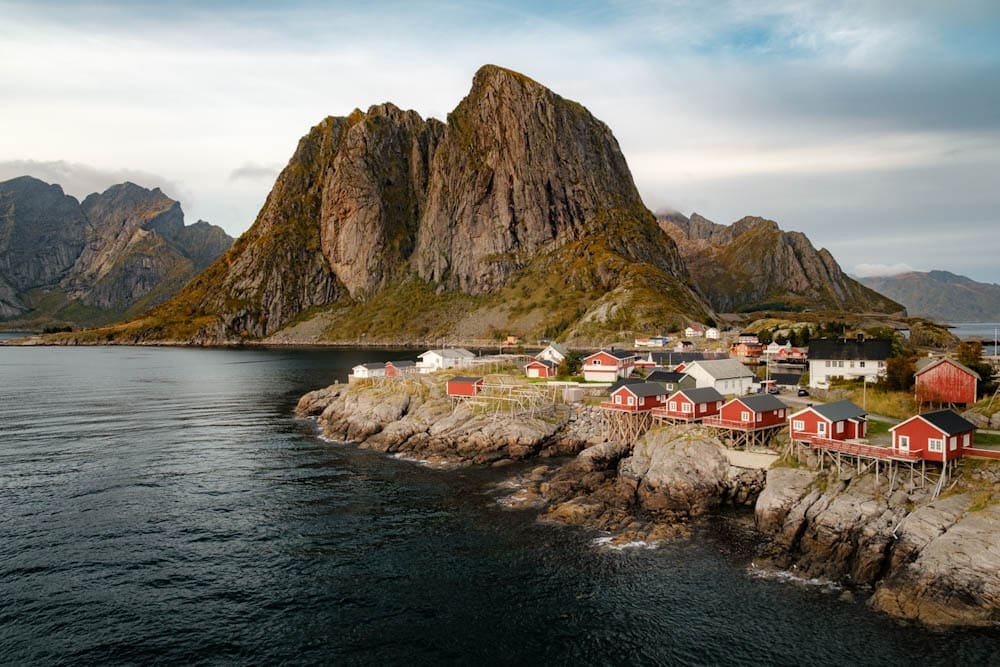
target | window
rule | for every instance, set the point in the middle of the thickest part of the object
(861, 364)
(760, 416)
(935, 445)
(781, 413)
(618, 399)
(686, 407)
(745, 416)
(798, 425)
(631, 400)
(673, 406)
(881, 364)
(701, 407)
(953, 443)
(840, 427)
(965, 440)
(821, 428)
(718, 405)
(904, 442)
(596, 362)
(828, 364)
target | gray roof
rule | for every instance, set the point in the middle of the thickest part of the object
(402, 363)
(619, 354)
(451, 353)
(372, 367)
(665, 376)
(464, 378)
(702, 395)
(926, 364)
(839, 411)
(623, 381)
(786, 378)
(762, 402)
(948, 421)
(867, 350)
(722, 369)
(645, 389)
(559, 348)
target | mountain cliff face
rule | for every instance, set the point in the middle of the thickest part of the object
(753, 265)
(382, 207)
(941, 295)
(118, 252)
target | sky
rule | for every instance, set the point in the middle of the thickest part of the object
(873, 127)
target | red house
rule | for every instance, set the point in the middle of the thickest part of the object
(608, 365)
(936, 436)
(464, 386)
(831, 421)
(396, 368)
(638, 397)
(945, 381)
(759, 411)
(691, 404)
(540, 368)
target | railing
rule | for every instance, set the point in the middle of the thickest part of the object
(984, 453)
(608, 405)
(861, 449)
(744, 426)
(674, 414)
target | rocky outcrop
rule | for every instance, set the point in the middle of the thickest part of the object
(934, 564)
(520, 188)
(119, 251)
(753, 265)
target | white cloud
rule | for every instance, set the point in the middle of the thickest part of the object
(872, 270)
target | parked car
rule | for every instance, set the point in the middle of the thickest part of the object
(803, 391)
(774, 390)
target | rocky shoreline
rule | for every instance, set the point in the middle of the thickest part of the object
(930, 562)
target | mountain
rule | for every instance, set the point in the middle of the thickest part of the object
(113, 255)
(519, 211)
(940, 295)
(753, 265)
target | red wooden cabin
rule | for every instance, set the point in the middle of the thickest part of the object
(935, 436)
(760, 411)
(540, 368)
(608, 365)
(397, 368)
(464, 386)
(947, 382)
(638, 397)
(842, 420)
(692, 404)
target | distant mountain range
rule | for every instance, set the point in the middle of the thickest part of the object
(117, 253)
(753, 265)
(518, 215)
(940, 295)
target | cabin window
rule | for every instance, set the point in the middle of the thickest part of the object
(686, 407)
(673, 406)
(718, 405)
(953, 443)
(745, 416)
(618, 399)
(701, 407)
(861, 364)
(781, 413)
(965, 440)
(935, 445)
(840, 427)
(760, 416)
(596, 362)
(904, 442)
(821, 428)
(642, 400)
(828, 364)
(631, 400)
(798, 425)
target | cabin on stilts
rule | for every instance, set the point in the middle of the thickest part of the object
(749, 422)
(626, 416)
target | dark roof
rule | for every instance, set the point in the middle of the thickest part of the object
(839, 411)
(702, 395)
(665, 376)
(786, 378)
(543, 362)
(762, 402)
(949, 422)
(668, 358)
(623, 381)
(620, 354)
(832, 348)
(463, 378)
(402, 364)
(645, 389)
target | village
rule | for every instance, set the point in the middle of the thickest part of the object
(736, 392)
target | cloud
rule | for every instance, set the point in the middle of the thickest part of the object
(872, 270)
(254, 172)
(81, 180)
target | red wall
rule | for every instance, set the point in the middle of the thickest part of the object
(463, 388)
(946, 383)
(640, 402)
(812, 419)
(920, 432)
(732, 410)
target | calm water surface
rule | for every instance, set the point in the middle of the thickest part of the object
(163, 505)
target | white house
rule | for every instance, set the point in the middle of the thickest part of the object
(772, 349)
(434, 360)
(726, 376)
(368, 371)
(694, 331)
(554, 353)
(712, 333)
(851, 359)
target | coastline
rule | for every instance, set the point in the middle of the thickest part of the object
(915, 558)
